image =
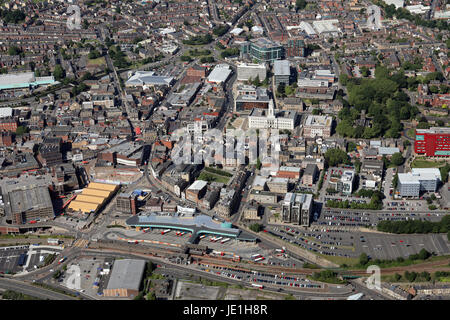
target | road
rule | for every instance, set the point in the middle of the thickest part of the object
(31, 290)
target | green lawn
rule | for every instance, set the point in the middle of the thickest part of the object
(420, 163)
(340, 260)
(97, 62)
(411, 132)
(208, 176)
(444, 279)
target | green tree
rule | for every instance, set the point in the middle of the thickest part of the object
(58, 73)
(151, 296)
(256, 227)
(281, 89)
(397, 159)
(14, 51)
(300, 4)
(21, 130)
(363, 259)
(336, 156)
(140, 296)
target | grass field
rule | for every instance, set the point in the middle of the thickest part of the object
(340, 260)
(420, 163)
(97, 62)
(444, 279)
(212, 177)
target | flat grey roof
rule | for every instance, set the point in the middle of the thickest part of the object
(281, 68)
(126, 274)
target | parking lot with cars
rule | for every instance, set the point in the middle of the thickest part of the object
(356, 218)
(93, 275)
(18, 259)
(344, 243)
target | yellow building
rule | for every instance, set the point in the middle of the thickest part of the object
(93, 197)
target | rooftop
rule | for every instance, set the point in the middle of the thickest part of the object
(126, 274)
(281, 68)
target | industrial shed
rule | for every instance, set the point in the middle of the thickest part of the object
(125, 279)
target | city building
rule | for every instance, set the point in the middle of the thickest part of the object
(125, 279)
(278, 185)
(310, 174)
(249, 97)
(251, 211)
(268, 119)
(418, 180)
(262, 49)
(227, 203)
(295, 48)
(289, 172)
(297, 208)
(347, 182)
(127, 203)
(247, 71)
(373, 167)
(264, 197)
(28, 203)
(196, 190)
(433, 142)
(281, 72)
(318, 126)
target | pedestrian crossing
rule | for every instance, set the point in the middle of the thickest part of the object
(80, 243)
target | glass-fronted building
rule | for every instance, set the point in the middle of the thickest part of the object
(262, 50)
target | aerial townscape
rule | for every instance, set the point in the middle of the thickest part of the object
(224, 150)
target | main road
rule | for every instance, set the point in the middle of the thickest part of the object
(31, 290)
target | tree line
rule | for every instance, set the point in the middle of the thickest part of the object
(416, 226)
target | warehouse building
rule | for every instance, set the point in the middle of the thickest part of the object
(125, 279)
(220, 74)
(23, 80)
(149, 79)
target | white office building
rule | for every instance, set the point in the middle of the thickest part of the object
(418, 180)
(247, 71)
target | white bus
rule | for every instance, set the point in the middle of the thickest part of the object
(225, 240)
(259, 259)
(165, 231)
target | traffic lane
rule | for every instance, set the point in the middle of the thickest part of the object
(31, 290)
